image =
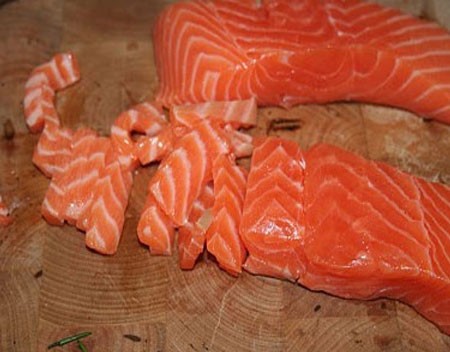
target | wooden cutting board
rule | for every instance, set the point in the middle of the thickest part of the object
(51, 286)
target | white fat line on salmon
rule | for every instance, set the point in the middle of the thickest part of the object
(37, 79)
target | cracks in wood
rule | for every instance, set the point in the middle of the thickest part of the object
(221, 309)
(282, 124)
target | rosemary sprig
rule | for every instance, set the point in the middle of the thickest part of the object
(81, 346)
(70, 339)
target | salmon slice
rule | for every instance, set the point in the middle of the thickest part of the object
(241, 143)
(63, 198)
(273, 221)
(373, 231)
(79, 181)
(192, 236)
(146, 118)
(286, 52)
(5, 217)
(52, 154)
(181, 176)
(223, 238)
(150, 149)
(155, 229)
(60, 72)
(191, 241)
(238, 113)
(107, 210)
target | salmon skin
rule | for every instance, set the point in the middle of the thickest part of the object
(287, 52)
(362, 229)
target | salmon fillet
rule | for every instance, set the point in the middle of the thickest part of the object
(285, 52)
(374, 231)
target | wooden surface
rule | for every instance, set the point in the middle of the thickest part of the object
(51, 286)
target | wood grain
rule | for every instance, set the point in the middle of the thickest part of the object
(51, 286)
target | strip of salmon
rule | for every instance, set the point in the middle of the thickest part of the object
(107, 210)
(273, 221)
(238, 113)
(285, 52)
(53, 152)
(181, 177)
(60, 72)
(58, 202)
(223, 238)
(192, 236)
(151, 149)
(5, 217)
(155, 229)
(146, 118)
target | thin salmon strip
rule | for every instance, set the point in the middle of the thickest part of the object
(155, 229)
(273, 224)
(107, 211)
(374, 231)
(223, 238)
(181, 177)
(53, 151)
(192, 236)
(241, 143)
(150, 149)
(146, 118)
(60, 72)
(5, 217)
(89, 159)
(191, 241)
(238, 113)
(285, 52)
(58, 201)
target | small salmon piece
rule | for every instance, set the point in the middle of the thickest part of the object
(5, 217)
(60, 72)
(56, 201)
(191, 240)
(107, 211)
(89, 159)
(52, 154)
(238, 113)
(241, 143)
(181, 177)
(150, 149)
(192, 236)
(273, 221)
(146, 118)
(223, 238)
(155, 229)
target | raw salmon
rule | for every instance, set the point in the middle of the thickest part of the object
(273, 221)
(52, 153)
(155, 229)
(191, 241)
(286, 52)
(5, 217)
(181, 176)
(145, 118)
(192, 235)
(60, 72)
(373, 231)
(222, 238)
(238, 113)
(107, 209)
(156, 148)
